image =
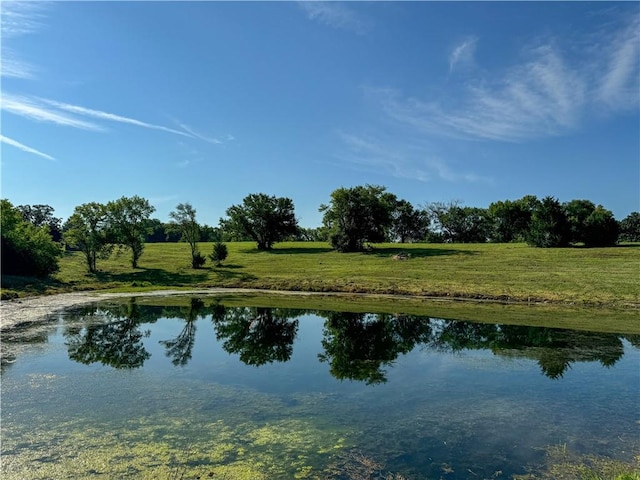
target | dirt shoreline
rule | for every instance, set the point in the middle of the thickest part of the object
(18, 311)
(32, 309)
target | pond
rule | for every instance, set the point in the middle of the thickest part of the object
(209, 390)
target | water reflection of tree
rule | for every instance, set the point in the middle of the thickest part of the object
(180, 348)
(258, 335)
(358, 345)
(117, 343)
(554, 349)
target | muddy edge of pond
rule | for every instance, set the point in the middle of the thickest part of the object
(19, 311)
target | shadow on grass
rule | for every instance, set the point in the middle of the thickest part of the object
(32, 285)
(417, 252)
(291, 250)
(155, 276)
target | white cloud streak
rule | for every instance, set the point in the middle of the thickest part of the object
(65, 114)
(11, 66)
(462, 56)
(548, 94)
(33, 109)
(400, 160)
(20, 18)
(110, 117)
(24, 148)
(336, 15)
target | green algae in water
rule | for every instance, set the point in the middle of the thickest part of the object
(446, 400)
(286, 449)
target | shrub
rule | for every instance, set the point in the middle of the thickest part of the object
(220, 252)
(198, 260)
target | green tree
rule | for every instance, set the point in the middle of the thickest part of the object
(183, 220)
(26, 249)
(630, 228)
(510, 220)
(460, 224)
(408, 223)
(577, 212)
(219, 254)
(87, 229)
(549, 225)
(42, 216)
(263, 218)
(357, 215)
(600, 228)
(128, 220)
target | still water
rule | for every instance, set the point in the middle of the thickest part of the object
(212, 391)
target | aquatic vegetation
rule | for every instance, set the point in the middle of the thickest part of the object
(562, 464)
(167, 450)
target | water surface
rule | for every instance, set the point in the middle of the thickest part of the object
(139, 391)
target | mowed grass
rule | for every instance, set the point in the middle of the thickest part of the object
(507, 272)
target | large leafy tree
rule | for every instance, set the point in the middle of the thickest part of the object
(358, 215)
(183, 219)
(577, 212)
(510, 220)
(549, 225)
(129, 223)
(42, 216)
(600, 228)
(460, 224)
(87, 229)
(263, 218)
(408, 223)
(26, 249)
(630, 228)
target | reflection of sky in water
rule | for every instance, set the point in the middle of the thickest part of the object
(471, 409)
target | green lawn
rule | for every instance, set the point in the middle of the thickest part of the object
(515, 272)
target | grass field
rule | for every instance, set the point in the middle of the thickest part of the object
(507, 272)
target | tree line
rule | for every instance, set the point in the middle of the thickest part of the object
(353, 219)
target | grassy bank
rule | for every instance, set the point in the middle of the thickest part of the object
(509, 272)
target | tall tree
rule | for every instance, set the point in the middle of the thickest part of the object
(408, 223)
(577, 212)
(263, 218)
(87, 229)
(42, 216)
(183, 219)
(600, 228)
(128, 219)
(630, 228)
(357, 215)
(549, 225)
(460, 224)
(510, 220)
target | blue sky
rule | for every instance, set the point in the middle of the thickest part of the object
(207, 102)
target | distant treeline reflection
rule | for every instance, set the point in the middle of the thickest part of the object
(357, 346)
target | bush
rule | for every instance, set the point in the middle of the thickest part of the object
(198, 260)
(220, 252)
(26, 249)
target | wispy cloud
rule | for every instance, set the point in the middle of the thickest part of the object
(20, 18)
(196, 134)
(12, 66)
(112, 117)
(336, 15)
(550, 93)
(34, 109)
(462, 55)
(45, 110)
(24, 147)
(17, 19)
(400, 159)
